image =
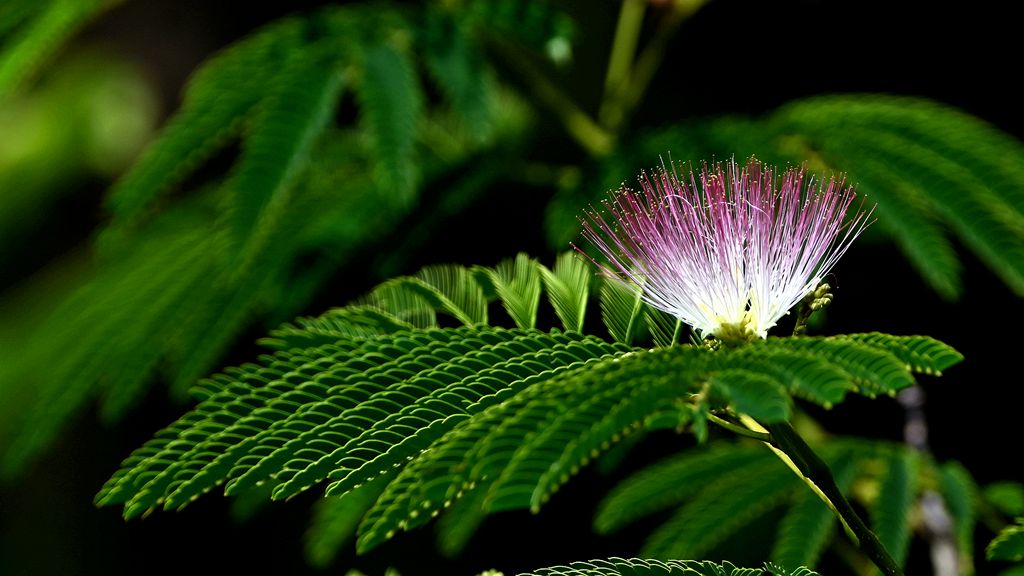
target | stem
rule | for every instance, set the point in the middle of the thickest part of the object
(816, 300)
(584, 130)
(786, 439)
(629, 76)
(938, 522)
(773, 446)
(627, 33)
(649, 61)
(740, 430)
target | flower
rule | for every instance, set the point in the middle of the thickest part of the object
(732, 255)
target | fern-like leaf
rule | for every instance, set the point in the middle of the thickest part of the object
(457, 68)
(671, 482)
(643, 567)
(732, 502)
(873, 369)
(806, 375)
(446, 288)
(273, 431)
(806, 528)
(336, 518)
(920, 354)
(568, 287)
(525, 447)
(890, 513)
(757, 395)
(517, 285)
(622, 311)
(977, 195)
(298, 103)
(391, 103)
(221, 95)
(562, 421)
(961, 496)
(666, 330)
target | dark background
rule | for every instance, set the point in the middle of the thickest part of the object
(733, 56)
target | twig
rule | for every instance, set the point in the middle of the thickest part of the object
(620, 62)
(938, 523)
(786, 439)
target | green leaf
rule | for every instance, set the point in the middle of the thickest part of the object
(1007, 497)
(671, 482)
(568, 288)
(335, 519)
(353, 322)
(391, 103)
(448, 288)
(731, 503)
(524, 448)
(621, 309)
(809, 374)
(891, 510)
(1008, 544)
(218, 99)
(644, 567)
(873, 368)
(756, 395)
(921, 354)
(299, 102)
(455, 64)
(978, 196)
(269, 422)
(665, 329)
(807, 527)
(517, 284)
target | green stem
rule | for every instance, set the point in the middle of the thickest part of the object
(786, 439)
(740, 430)
(649, 61)
(816, 300)
(584, 130)
(616, 80)
(630, 76)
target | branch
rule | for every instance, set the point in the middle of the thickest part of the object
(937, 521)
(786, 439)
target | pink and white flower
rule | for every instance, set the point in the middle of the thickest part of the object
(734, 253)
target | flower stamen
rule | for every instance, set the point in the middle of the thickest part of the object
(731, 256)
